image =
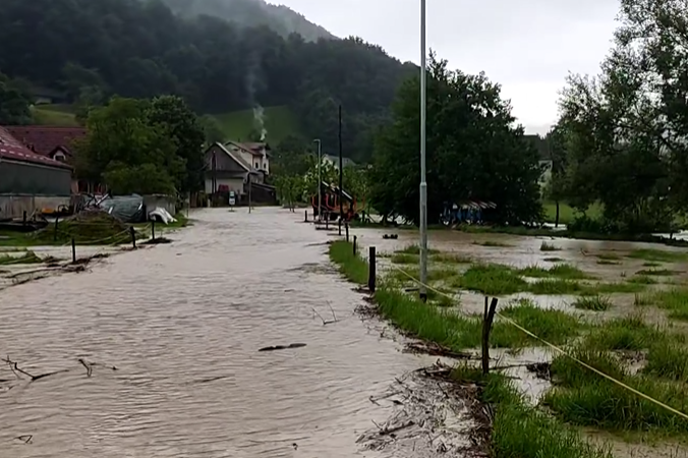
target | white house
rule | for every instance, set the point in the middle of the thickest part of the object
(228, 166)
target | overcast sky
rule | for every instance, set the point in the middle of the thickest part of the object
(528, 46)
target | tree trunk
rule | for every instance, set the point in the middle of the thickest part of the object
(556, 218)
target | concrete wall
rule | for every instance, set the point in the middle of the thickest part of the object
(14, 206)
(152, 202)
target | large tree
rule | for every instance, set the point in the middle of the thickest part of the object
(627, 129)
(473, 150)
(14, 103)
(173, 115)
(123, 144)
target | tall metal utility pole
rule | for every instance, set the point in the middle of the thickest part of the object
(341, 172)
(423, 182)
(317, 140)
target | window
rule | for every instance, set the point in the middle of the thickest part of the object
(59, 157)
(257, 165)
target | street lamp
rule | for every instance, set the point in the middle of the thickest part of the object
(317, 140)
(423, 182)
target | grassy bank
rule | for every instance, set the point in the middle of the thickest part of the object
(519, 430)
(635, 352)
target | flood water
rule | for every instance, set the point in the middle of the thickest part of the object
(182, 323)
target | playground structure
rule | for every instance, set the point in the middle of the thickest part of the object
(330, 203)
(467, 212)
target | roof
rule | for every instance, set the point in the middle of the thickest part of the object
(44, 140)
(238, 159)
(254, 148)
(12, 149)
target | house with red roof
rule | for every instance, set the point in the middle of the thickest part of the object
(49, 141)
(28, 180)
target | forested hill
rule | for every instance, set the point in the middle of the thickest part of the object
(250, 13)
(91, 50)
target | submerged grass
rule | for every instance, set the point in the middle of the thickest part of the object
(594, 303)
(492, 243)
(584, 398)
(658, 255)
(28, 257)
(675, 301)
(544, 246)
(657, 272)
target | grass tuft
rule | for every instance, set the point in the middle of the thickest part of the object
(548, 247)
(594, 303)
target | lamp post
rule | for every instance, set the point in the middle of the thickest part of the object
(423, 182)
(317, 140)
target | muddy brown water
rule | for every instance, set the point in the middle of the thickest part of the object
(183, 323)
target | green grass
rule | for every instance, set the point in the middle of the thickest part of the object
(415, 250)
(567, 214)
(280, 122)
(627, 333)
(351, 265)
(564, 271)
(609, 257)
(520, 430)
(54, 115)
(29, 257)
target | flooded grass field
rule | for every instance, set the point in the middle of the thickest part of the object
(621, 308)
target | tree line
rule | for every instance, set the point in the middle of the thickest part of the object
(622, 138)
(92, 50)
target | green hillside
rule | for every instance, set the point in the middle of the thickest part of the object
(280, 122)
(54, 115)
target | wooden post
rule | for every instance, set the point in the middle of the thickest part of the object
(305, 216)
(346, 225)
(133, 236)
(355, 240)
(24, 219)
(488, 318)
(153, 228)
(55, 234)
(73, 250)
(371, 269)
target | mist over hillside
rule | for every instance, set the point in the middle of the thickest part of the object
(251, 13)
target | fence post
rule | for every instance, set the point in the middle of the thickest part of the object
(133, 236)
(73, 251)
(371, 269)
(24, 219)
(152, 228)
(346, 226)
(488, 318)
(355, 240)
(57, 219)
(305, 216)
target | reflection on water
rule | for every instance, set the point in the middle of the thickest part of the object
(183, 324)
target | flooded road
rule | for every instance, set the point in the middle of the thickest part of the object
(182, 323)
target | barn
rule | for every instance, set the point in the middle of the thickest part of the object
(29, 181)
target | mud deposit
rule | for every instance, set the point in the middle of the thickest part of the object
(183, 324)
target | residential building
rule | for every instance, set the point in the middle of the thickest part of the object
(53, 142)
(30, 181)
(229, 165)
